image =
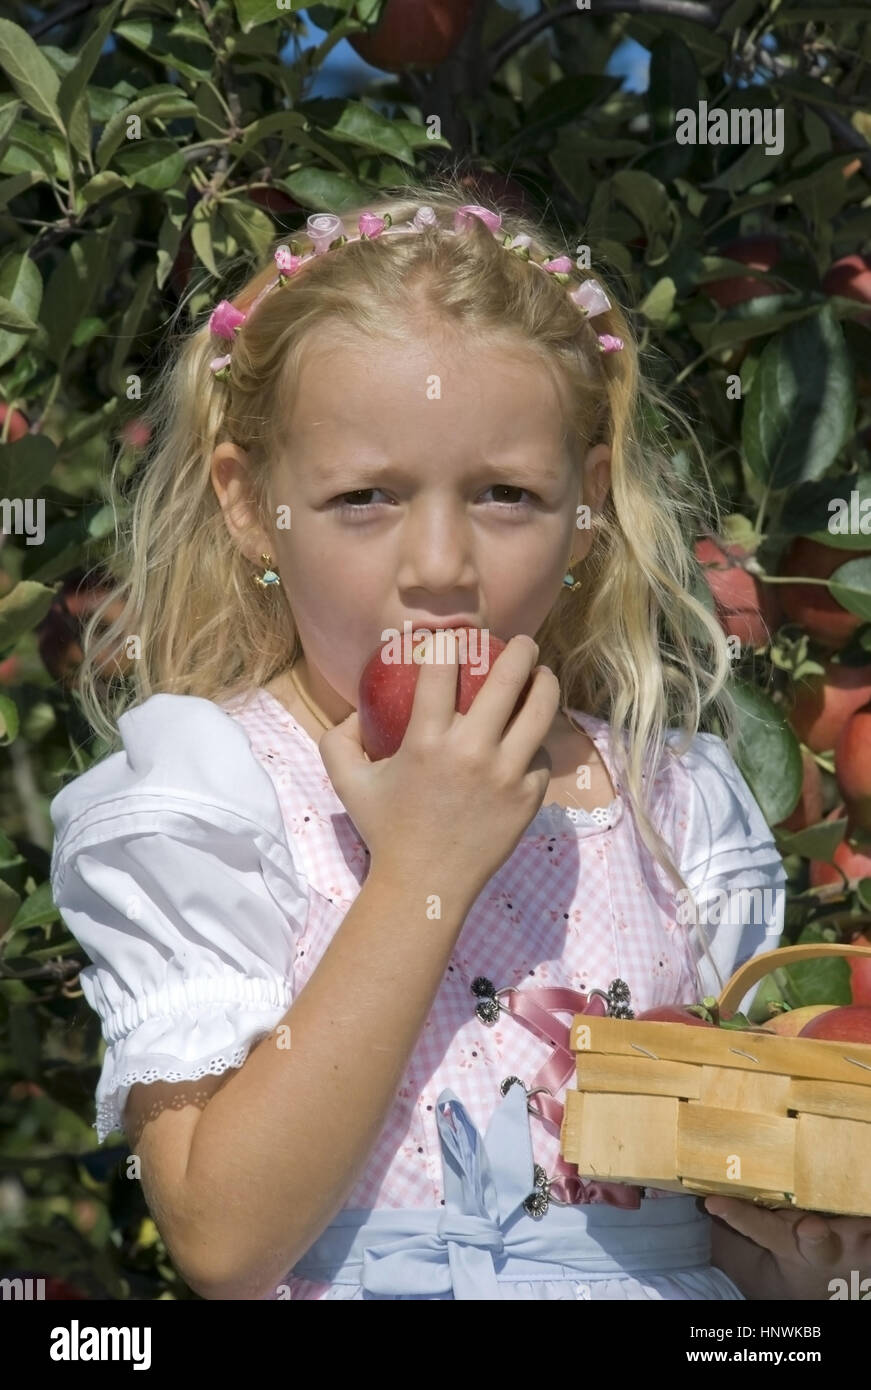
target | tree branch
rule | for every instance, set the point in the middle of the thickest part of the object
(72, 11)
(523, 33)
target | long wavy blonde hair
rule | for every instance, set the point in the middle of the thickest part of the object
(633, 646)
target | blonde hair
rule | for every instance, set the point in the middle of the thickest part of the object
(632, 645)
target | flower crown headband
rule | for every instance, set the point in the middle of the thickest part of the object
(326, 232)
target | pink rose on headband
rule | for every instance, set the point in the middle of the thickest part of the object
(424, 217)
(218, 364)
(370, 225)
(591, 298)
(286, 261)
(561, 265)
(322, 228)
(608, 343)
(462, 215)
(225, 320)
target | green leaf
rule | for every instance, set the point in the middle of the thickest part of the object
(74, 85)
(814, 842)
(37, 910)
(21, 290)
(15, 319)
(324, 191)
(30, 72)
(201, 235)
(156, 164)
(659, 302)
(250, 13)
(288, 123)
(850, 585)
(360, 125)
(164, 101)
(26, 465)
(767, 753)
(647, 200)
(19, 183)
(673, 85)
(21, 609)
(800, 407)
(72, 288)
(250, 224)
(807, 511)
(825, 980)
(9, 721)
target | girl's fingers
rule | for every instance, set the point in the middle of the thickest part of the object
(773, 1230)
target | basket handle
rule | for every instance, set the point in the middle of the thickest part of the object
(760, 966)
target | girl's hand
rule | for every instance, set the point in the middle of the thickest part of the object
(452, 803)
(804, 1250)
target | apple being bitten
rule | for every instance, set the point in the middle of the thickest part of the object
(386, 691)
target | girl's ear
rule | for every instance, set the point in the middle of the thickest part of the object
(595, 482)
(231, 481)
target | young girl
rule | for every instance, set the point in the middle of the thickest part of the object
(335, 992)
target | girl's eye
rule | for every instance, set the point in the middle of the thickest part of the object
(344, 505)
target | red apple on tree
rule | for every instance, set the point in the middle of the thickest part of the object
(746, 609)
(809, 810)
(414, 33)
(853, 767)
(756, 252)
(386, 692)
(823, 704)
(811, 605)
(18, 425)
(850, 277)
(852, 860)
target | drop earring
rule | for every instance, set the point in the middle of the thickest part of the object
(269, 576)
(570, 582)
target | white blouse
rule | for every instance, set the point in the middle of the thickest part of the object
(173, 869)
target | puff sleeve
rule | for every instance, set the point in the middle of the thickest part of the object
(728, 858)
(171, 868)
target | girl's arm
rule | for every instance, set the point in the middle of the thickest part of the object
(241, 1192)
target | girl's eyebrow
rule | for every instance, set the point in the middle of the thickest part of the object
(531, 466)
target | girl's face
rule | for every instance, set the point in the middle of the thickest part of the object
(425, 482)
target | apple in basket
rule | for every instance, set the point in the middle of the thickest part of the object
(849, 1023)
(387, 685)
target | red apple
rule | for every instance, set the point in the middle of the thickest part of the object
(849, 1023)
(59, 635)
(854, 862)
(672, 1013)
(809, 810)
(746, 609)
(860, 972)
(414, 33)
(17, 425)
(487, 188)
(823, 704)
(274, 201)
(10, 670)
(757, 252)
(853, 767)
(850, 277)
(812, 605)
(386, 691)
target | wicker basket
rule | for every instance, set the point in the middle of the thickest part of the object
(782, 1121)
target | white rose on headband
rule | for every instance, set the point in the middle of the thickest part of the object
(322, 228)
(424, 217)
